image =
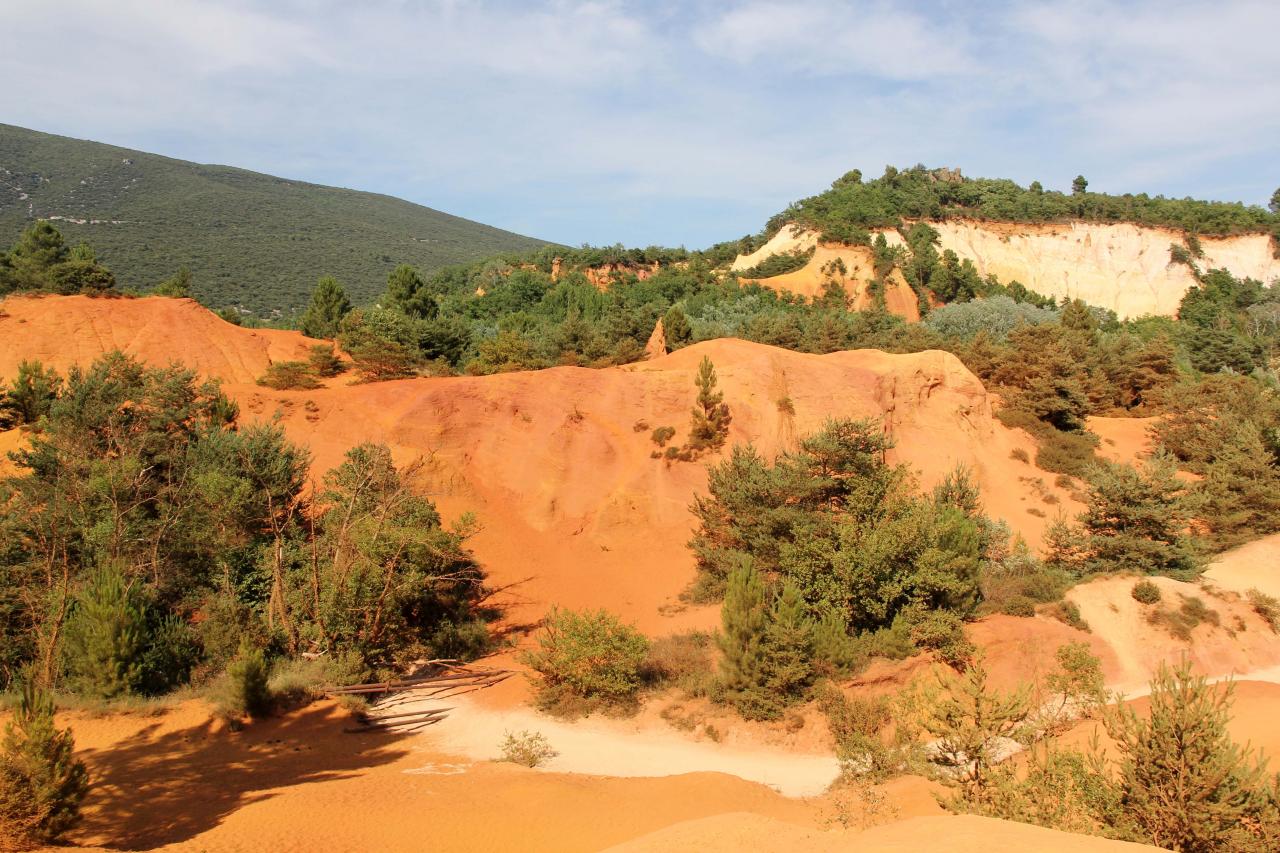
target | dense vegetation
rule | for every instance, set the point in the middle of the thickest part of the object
(249, 239)
(146, 537)
(852, 208)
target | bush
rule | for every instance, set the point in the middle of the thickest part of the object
(942, 632)
(1068, 613)
(587, 656)
(1066, 452)
(323, 361)
(1017, 582)
(683, 661)
(245, 691)
(1146, 592)
(289, 376)
(527, 748)
(41, 782)
(662, 435)
(1265, 606)
(856, 725)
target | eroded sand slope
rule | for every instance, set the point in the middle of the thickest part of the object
(557, 463)
(1119, 266)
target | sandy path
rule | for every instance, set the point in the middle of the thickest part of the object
(618, 748)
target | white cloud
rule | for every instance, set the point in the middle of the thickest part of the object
(832, 38)
(652, 120)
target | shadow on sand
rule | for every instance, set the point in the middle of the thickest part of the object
(159, 787)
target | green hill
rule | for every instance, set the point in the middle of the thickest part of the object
(249, 239)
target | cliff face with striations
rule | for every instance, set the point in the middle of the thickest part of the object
(1122, 267)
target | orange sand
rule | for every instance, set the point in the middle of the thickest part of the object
(556, 463)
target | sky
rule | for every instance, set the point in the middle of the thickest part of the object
(661, 123)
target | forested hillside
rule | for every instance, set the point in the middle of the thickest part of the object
(249, 239)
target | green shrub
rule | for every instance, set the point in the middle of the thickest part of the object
(1018, 581)
(778, 264)
(1265, 606)
(683, 661)
(1019, 605)
(41, 782)
(529, 749)
(107, 637)
(1068, 613)
(324, 362)
(1069, 453)
(856, 724)
(942, 632)
(245, 691)
(289, 376)
(587, 656)
(662, 435)
(1146, 592)
(172, 652)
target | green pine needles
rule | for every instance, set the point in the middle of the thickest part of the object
(41, 782)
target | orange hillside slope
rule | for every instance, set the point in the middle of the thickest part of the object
(65, 330)
(859, 266)
(556, 463)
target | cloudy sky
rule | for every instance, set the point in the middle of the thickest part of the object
(661, 122)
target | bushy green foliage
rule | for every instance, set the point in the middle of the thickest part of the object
(850, 209)
(32, 392)
(1145, 592)
(42, 783)
(252, 240)
(676, 329)
(245, 691)
(709, 423)
(382, 580)
(177, 286)
(841, 524)
(324, 362)
(107, 636)
(590, 656)
(41, 261)
(1135, 520)
(1174, 778)
(140, 470)
(329, 304)
(529, 749)
(1185, 784)
(778, 264)
(289, 376)
(1239, 497)
(970, 722)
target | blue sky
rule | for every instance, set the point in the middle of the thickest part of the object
(661, 122)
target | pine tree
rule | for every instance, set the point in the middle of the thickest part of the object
(1241, 490)
(744, 619)
(789, 645)
(178, 286)
(1185, 784)
(1136, 520)
(969, 720)
(41, 782)
(33, 391)
(329, 304)
(710, 421)
(107, 636)
(676, 329)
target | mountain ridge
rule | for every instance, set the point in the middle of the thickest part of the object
(250, 239)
